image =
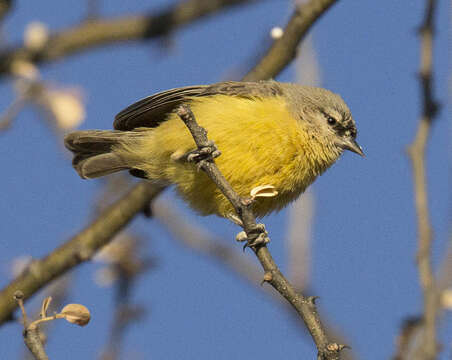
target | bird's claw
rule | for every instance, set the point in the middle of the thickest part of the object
(256, 238)
(206, 153)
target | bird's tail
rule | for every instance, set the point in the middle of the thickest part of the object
(94, 153)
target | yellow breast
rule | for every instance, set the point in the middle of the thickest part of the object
(261, 144)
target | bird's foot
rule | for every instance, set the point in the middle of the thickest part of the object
(257, 237)
(206, 153)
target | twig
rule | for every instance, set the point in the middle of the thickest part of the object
(301, 213)
(199, 240)
(284, 49)
(33, 341)
(5, 7)
(304, 306)
(11, 113)
(80, 248)
(408, 334)
(57, 291)
(102, 32)
(32, 337)
(428, 346)
(126, 262)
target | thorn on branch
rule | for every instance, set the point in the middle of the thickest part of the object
(267, 278)
(312, 300)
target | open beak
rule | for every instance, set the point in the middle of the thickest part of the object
(352, 145)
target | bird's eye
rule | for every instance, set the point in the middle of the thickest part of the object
(331, 120)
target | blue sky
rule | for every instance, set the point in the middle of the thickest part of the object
(364, 236)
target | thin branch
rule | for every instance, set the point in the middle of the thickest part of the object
(301, 213)
(305, 306)
(198, 239)
(428, 346)
(80, 248)
(5, 8)
(10, 114)
(102, 32)
(33, 341)
(57, 291)
(409, 331)
(31, 333)
(126, 263)
(284, 49)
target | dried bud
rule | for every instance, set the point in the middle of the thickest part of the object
(446, 299)
(18, 295)
(76, 314)
(276, 32)
(36, 35)
(66, 106)
(263, 191)
(24, 69)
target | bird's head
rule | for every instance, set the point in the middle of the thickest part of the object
(327, 115)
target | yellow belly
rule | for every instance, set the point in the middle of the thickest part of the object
(261, 144)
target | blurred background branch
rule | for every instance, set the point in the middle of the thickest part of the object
(427, 347)
(284, 48)
(80, 248)
(102, 32)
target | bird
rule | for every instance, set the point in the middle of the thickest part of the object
(270, 133)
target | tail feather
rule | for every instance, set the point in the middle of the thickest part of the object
(94, 155)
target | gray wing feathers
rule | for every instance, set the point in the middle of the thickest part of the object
(153, 110)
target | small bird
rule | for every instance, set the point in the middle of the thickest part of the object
(269, 133)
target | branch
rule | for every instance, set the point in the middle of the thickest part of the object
(32, 339)
(97, 33)
(428, 347)
(31, 333)
(5, 7)
(78, 249)
(199, 240)
(305, 306)
(284, 49)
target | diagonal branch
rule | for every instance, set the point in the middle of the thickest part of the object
(304, 306)
(428, 347)
(80, 248)
(284, 49)
(197, 239)
(102, 32)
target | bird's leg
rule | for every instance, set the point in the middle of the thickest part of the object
(257, 236)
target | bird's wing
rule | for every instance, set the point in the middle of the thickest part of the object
(154, 109)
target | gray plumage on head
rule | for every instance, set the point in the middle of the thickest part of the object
(326, 112)
(320, 99)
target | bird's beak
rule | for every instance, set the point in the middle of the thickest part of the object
(352, 145)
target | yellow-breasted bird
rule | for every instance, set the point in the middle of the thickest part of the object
(269, 133)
